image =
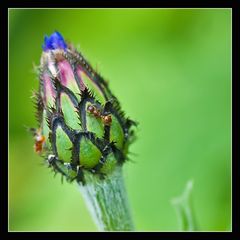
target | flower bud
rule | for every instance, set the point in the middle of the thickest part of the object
(80, 120)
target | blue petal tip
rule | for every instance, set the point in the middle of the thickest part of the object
(55, 41)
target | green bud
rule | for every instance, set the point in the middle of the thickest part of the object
(63, 145)
(89, 153)
(81, 124)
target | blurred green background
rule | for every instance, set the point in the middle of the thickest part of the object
(171, 70)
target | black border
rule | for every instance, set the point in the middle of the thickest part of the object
(109, 4)
(123, 4)
(235, 79)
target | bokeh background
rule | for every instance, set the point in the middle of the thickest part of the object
(171, 70)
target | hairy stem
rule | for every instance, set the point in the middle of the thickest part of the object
(107, 201)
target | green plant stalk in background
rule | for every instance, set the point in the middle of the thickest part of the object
(83, 134)
(184, 209)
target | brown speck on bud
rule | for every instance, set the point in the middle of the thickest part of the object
(107, 119)
(39, 141)
(96, 113)
(90, 108)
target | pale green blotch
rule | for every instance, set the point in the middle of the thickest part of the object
(64, 145)
(45, 130)
(94, 124)
(116, 133)
(89, 153)
(93, 88)
(109, 165)
(69, 112)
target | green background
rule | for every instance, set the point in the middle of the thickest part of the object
(171, 70)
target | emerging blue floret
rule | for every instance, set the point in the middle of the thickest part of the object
(55, 41)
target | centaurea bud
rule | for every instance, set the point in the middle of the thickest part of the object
(80, 120)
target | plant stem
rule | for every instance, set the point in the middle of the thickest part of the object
(184, 209)
(107, 201)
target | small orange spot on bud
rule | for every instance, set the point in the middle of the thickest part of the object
(39, 141)
(96, 113)
(107, 120)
